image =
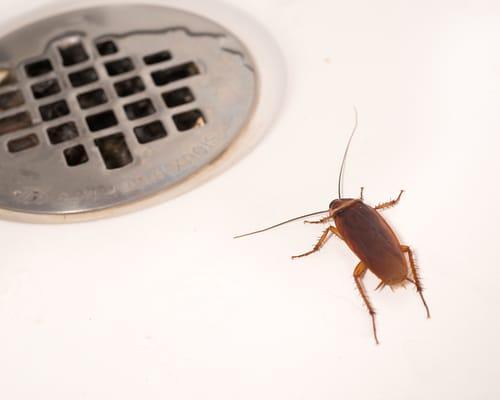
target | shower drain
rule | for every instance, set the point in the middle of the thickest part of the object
(107, 105)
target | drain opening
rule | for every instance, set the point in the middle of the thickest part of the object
(139, 109)
(101, 121)
(11, 100)
(84, 77)
(15, 123)
(45, 88)
(157, 58)
(76, 155)
(23, 143)
(91, 99)
(54, 110)
(119, 67)
(189, 120)
(169, 75)
(73, 53)
(129, 87)
(114, 151)
(150, 132)
(106, 48)
(38, 68)
(62, 133)
(178, 97)
(7, 77)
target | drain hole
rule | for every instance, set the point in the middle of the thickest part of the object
(107, 47)
(114, 151)
(150, 132)
(139, 109)
(54, 110)
(38, 68)
(76, 155)
(73, 54)
(45, 89)
(7, 77)
(166, 76)
(189, 120)
(104, 120)
(158, 57)
(24, 143)
(15, 123)
(119, 67)
(178, 97)
(92, 98)
(83, 77)
(129, 87)
(62, 133)
(10, 100)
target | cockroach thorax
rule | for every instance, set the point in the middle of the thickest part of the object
(338, 205)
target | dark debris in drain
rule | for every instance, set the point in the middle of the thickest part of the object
(114, 151)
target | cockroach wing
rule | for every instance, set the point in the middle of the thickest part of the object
(371, 238)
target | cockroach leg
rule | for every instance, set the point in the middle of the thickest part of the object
(416, 278)
(390, 203)
(359, 273)
(327, 234)
(361, 194)
(321, 221)
(410, 280)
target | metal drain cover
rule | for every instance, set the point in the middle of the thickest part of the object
(108, 105)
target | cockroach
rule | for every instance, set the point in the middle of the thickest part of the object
(370, 238)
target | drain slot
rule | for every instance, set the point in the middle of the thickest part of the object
(75, 156)
(38, 68)
(157, 58)
(73, 54)
(150, 132)
(15, 123)
(189, 120)
(23, 143)
(169, 75)
(139, 109)
(106, 48)
(114, 151)
(119, 67)
(178, 97)
(55, 110)
(84, 77)
(91, 99)
(45, 88)
(62, 133)
(11, 100)
(101, 121)
(129, 87)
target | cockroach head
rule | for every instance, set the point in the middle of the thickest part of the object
(337, 203)
(334, 204)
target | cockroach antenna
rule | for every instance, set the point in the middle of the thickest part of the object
(341, 174)
(341, 177)
(281, 223)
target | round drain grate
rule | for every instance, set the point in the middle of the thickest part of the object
(108, 105)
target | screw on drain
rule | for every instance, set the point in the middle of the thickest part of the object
(117, 109)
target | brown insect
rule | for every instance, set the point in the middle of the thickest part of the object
(370, 237)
